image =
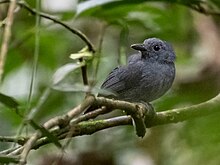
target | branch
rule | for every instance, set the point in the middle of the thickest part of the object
(19, 140)
(171, 116)
(199, 6)
(74, 31)
(6, 36)
(57, 121)
(181, 114)
(82, 125)
(86, 128)
(84, 73)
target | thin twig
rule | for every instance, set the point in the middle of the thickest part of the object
(28, 146)
(84, 73)
(36, 56)
(199, 6)
(99, 51)
(6, 36)
(57, 121)
(81, 128)
(90, 127)
(18, 140)
(79, 119)
(90, 115)
(10, 150)
(74, 31)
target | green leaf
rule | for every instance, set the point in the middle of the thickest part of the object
(82, 53)
(8, 101)
(63, 71)
(107, 10)
(8, 159)
(79, 55)
(114, 11)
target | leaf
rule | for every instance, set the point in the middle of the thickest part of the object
(9, 159)
(87, 5)
(71, 88)
(107, 9)
(8, 101)
(63, 71)
(79, 55)
(46, 133)
(82, 53)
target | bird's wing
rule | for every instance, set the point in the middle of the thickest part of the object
(114, 82)
(121, 79)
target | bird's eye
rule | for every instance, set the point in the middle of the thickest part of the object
(156, 47)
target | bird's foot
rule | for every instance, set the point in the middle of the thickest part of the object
(149, 114)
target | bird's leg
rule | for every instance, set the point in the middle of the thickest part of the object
(150, 112)
(141, 117)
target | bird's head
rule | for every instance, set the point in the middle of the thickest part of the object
(156, 49)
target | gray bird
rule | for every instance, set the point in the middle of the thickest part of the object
(147, 76)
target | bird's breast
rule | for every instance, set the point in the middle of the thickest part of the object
(156, 80)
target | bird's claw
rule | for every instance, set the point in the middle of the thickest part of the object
(150, 112)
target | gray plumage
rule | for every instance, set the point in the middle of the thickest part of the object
(147, 76)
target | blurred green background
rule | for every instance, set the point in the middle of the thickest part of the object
(112, 26)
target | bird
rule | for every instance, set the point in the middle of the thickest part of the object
(148, 75)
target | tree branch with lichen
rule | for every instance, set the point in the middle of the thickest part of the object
(74, 124)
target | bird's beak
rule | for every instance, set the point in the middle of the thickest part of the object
(139, 47)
